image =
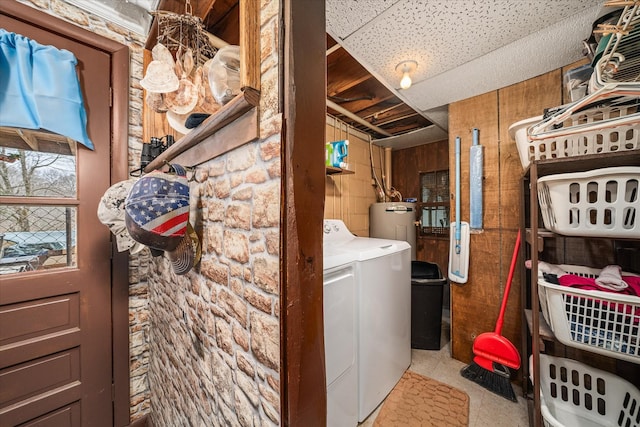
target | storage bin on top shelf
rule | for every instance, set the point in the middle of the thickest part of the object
(597, 203)
(602, 322)
(575, 394)
(592, 131)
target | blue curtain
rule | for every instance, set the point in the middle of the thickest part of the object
(39, 88)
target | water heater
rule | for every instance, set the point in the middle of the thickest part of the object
(394, 220)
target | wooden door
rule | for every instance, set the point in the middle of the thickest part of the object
(55, 303)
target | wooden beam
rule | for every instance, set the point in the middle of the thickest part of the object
(73, 146)
(240, 132)
(378, 113)
(333, 49)
(303, 389)
(400, 127)
(45, 201)
(245, 101)
(199, 8)
(391, 114)
(354, 117)
(396, 119)
(250, 44)
(29, 138)
(366, 95)
(47, 142)
(152, 37)
(224, 20)
(215, 40)
(344, 72)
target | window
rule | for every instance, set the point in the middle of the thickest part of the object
(38, 206)
(434, 203)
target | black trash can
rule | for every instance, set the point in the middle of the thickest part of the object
(427, 286)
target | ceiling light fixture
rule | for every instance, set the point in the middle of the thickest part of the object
(406, 67)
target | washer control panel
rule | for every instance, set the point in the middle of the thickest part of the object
(335, 231)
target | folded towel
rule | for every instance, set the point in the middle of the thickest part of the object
(611, 278)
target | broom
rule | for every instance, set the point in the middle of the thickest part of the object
(495, 354)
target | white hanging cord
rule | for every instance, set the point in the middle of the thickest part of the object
(335, 125)
(384, 180)
(379, 188)
(382, 194)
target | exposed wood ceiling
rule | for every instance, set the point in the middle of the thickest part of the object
(35, 140)
(353, 88)
(349, 85)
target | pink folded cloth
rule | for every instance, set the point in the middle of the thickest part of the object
(611, 278)
(589, 284)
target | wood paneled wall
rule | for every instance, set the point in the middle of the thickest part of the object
(475, 305)
(406, 166)
(408, 163)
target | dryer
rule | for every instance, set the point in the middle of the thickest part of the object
(383, 294)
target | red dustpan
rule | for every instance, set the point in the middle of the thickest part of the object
(493, 352)
(492, 347)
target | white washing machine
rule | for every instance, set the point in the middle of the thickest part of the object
(340, 338)
(383, 294)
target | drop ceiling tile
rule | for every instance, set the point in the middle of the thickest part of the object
(346, 16)
(442, 35)
(548, 49)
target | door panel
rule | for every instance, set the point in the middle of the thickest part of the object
(36, 328)
(55, 320)
(28, 382)
(27, 320)
(66, 416)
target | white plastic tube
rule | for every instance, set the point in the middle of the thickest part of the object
(475, 182)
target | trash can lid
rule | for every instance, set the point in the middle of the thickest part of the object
(425, 270)
(428, 282)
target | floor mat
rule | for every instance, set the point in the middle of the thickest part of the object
(420, 401)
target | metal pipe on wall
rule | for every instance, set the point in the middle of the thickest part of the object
(356, 118)
(387, 168)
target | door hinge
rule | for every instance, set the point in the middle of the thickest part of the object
(110, 96)
(113, 392)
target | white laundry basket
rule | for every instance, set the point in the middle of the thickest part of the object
(573, 394)
(596, 203)
(607, 323)
(593, 131)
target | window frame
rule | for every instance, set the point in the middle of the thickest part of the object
(446, 203)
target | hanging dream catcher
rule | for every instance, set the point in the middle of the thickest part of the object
(176, 80)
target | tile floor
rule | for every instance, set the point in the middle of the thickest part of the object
(486, 408)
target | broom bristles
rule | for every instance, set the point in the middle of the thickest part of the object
(497, 383)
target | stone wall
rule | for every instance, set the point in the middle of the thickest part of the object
(214, 333)
(139, 334)
(138, 298)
